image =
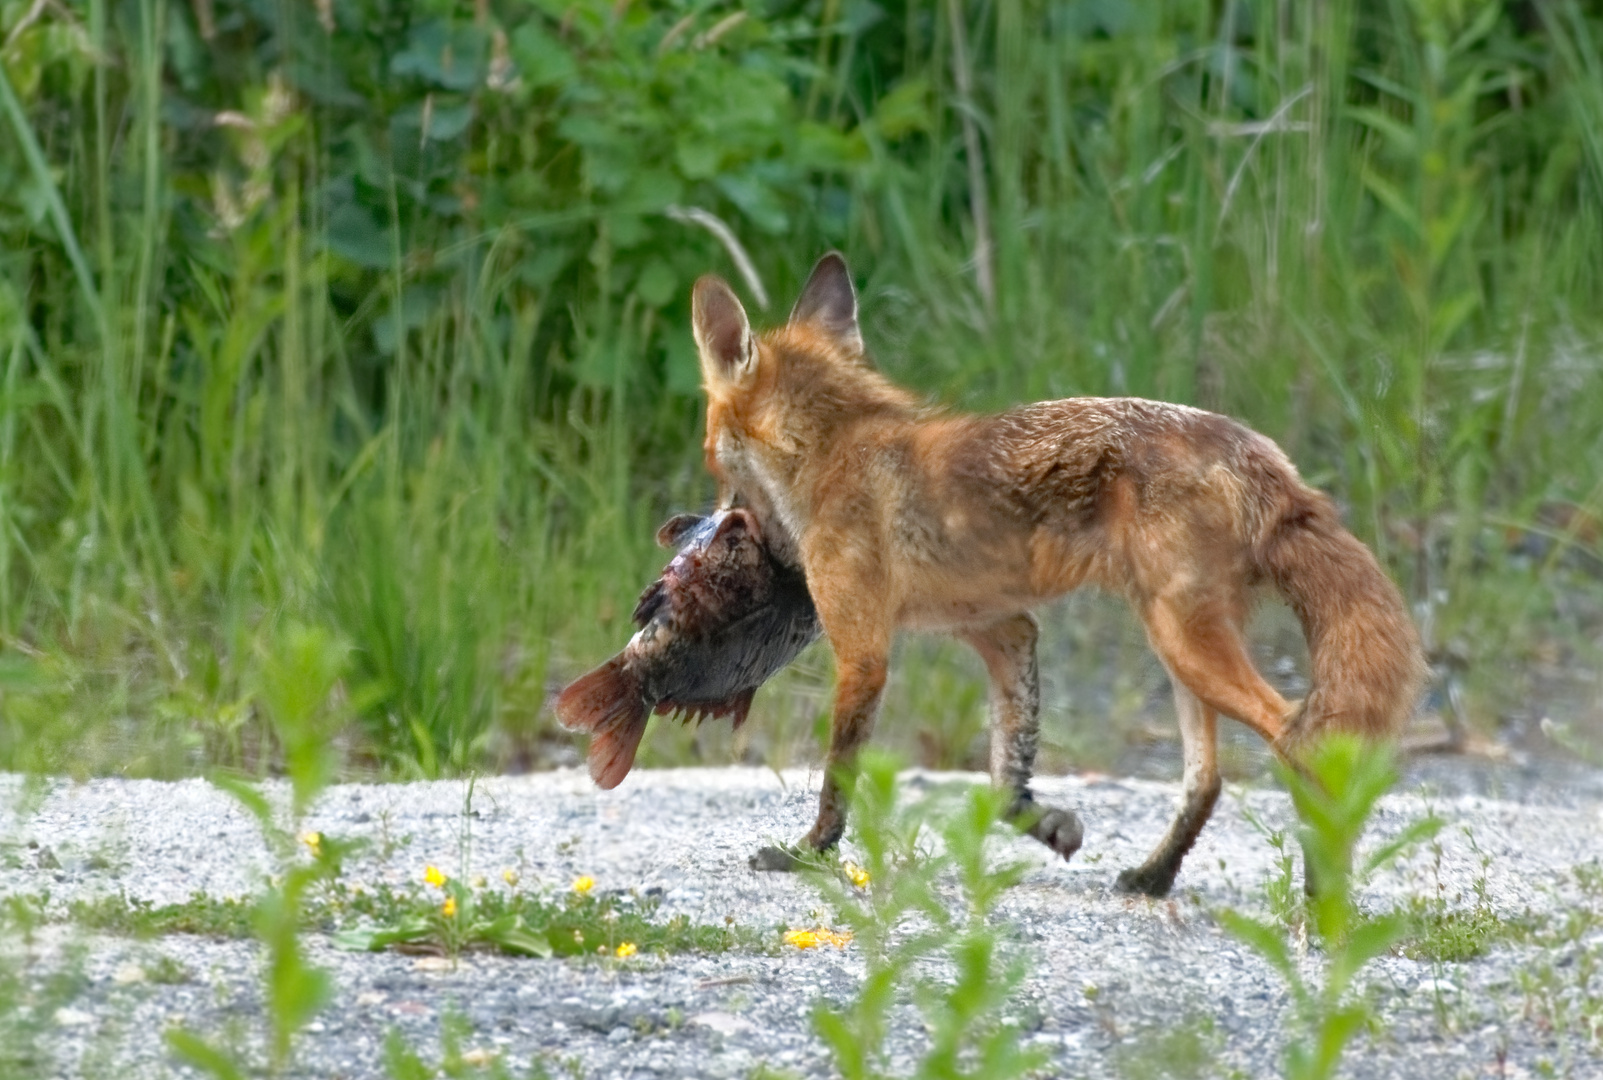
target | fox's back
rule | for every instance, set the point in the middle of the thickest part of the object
(1019, 506)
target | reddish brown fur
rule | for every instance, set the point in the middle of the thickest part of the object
(909, 517)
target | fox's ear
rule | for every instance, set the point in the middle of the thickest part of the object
(828, 302)
(723, 336)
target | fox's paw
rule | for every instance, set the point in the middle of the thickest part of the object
(1059, 830)
(774, 859)
(1151, 881)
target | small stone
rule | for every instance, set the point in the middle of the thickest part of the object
(368, 998)
(72, 1018)
(128, 974)
(619, 1034)
(434, 963)
(479, 1057)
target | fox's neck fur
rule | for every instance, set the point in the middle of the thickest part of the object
(808, 392)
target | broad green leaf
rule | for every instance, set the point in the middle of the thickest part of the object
(246, 794)
(1417, 831)
(542, 60)
(511, 934)
(377, 938)
(203, 1055)
(1263, 939)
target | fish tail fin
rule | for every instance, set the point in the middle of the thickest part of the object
(607, 704)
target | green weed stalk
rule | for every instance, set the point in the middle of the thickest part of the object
(905, 917)
(1333, 799)
(299, 679)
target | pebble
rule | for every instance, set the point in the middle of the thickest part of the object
(1108, 974)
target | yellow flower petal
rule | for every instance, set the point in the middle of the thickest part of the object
(432, 876)
(313, 842)
(583, 885)
(627, 949)
(856, 875)
(802, 939)
(448, 909)
(510, 877)
(811, 939)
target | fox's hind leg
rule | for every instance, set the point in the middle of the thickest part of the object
(1199, 732)
(1008, 649)
(1200, 643)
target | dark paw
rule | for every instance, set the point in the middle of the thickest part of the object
(1059, 830)
(1146, 881)
(774, 859)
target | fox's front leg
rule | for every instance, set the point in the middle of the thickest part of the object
(859, 683)
(853, 609)
(1008, 649)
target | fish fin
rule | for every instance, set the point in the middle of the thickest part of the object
(655, 595)
(607, 704)
(676, 528)
(740, 708)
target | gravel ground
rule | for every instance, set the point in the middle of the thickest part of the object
(1109, 974)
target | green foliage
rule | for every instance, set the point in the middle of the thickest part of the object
(209, 916)
(902, 919)
(1345, 777)
(519, 922)
(1444, 931)
(299, 677)
(30, 989)
(1182, 1051)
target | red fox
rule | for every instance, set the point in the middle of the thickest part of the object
(908, 516)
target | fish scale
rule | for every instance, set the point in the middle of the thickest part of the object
(722, 619)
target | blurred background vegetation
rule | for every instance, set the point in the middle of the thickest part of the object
(370, 317)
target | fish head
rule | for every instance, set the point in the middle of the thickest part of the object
(722, 569)
(733, 542)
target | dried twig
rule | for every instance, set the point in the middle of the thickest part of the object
(695, 215)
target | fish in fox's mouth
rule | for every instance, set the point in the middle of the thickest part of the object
(722, 619)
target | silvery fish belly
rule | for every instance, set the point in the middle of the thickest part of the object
(723, 618)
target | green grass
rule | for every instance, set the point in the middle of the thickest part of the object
(202, 915)
(399, 350)
(573, 925)
(570, 925)
(1458, 936)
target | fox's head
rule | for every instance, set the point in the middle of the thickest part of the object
(777, 400)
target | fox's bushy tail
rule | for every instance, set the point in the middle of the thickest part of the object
(608, 705)
(1362, 645)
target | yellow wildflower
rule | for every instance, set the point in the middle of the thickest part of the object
(583, 885)
(432, 876)
(856, 875)
(626, 950)
(313, 842)
(811, 939)
(448, 909)
(479, 882)
(510, 876)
